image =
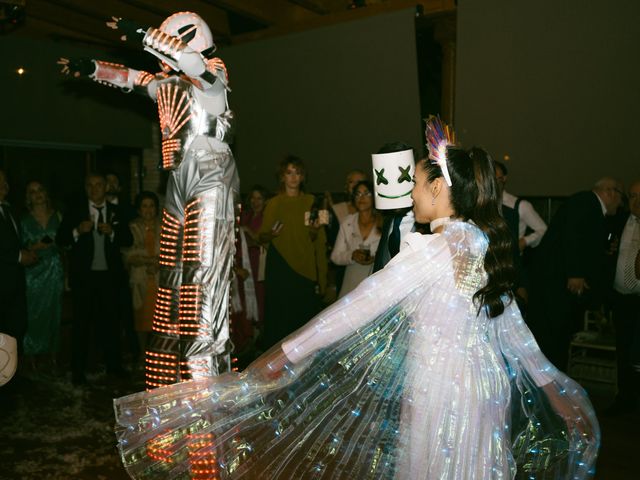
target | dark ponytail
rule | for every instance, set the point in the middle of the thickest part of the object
(474, 196)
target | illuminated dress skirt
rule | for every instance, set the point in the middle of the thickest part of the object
(403, 378)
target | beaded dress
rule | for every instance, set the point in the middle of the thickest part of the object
(403, 378)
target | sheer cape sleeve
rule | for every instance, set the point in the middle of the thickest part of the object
(553, 424)
(376, 294)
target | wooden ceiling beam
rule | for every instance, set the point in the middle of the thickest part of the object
(324, 6)
(429, 8)
(44, 29)
(271, 12)
(312, 5)
(215, 17)
(107, 9)
(70, 20)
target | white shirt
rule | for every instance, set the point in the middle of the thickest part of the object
(528, 218)
(625, 281)
(95, 213)
(341, 210)
(350, 239)
(406, 226)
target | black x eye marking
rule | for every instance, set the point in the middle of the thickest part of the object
(404, 174)
(380, 177)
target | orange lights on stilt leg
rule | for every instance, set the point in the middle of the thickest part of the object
(169, 238)
(189, 313)
(161, 369)
(191, 246)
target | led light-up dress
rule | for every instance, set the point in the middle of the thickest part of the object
(191, 325)
(401, 378)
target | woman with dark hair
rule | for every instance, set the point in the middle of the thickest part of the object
(358, 238)
(142, 262)
(250, 223)
(425, 371)
(296, 264)
(247, 288)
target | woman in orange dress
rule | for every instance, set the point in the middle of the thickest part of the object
(142, 261)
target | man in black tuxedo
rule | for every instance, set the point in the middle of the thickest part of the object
(569, 273)
(93, 233)
(125, 303)
(13, 259)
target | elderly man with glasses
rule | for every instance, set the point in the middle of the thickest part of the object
(569, 273)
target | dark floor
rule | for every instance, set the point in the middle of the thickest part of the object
(50, 429)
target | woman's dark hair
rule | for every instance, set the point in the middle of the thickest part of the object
(366, 183)
(474, 196)
(257, 188)
(369, 187)
(501, 166)
(147, 196)
(295, 162)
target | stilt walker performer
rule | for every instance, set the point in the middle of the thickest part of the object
(191, 322)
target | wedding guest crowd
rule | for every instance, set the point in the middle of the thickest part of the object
(281, 267)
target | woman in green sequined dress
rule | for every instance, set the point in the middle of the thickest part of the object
(45, 278)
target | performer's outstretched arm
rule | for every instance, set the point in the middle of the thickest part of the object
(107, 73)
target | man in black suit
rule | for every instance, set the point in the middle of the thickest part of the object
(626, 306)
(115, 196)
(569, 273)
(13, 259)
(94, 232)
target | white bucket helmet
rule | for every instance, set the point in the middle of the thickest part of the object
(192, 29)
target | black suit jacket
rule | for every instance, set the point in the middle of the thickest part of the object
(13, 313)
(383, 256)
(10, 245)
(383, 247)
(574, 245)
(81, 250)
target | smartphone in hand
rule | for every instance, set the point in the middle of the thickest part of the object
(277, 226)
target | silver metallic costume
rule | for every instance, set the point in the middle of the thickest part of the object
(191, 321)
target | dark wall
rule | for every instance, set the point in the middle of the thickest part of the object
(332, 96)
(553, 85)
(44, 106)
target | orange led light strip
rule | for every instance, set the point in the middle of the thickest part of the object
(160, 368)
(143, 79)
(169, 236)
(162, 321)
(191, 242)
(169, 149)
(189, 310)
(158, 448)
(173, 112)
(202, 458)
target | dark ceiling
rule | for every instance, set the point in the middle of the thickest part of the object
(232, 21)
